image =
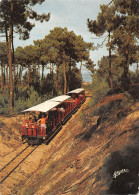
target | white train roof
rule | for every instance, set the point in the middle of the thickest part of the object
(76, 90)
(60, 98)
(48, 105)
(43, 107)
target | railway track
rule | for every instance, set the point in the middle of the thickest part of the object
(12, 165)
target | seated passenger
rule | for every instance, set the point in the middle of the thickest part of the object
(81, 97)
(25, 124)
(30, 121)
(62, 111)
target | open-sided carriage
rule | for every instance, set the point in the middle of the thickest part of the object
(58, 111)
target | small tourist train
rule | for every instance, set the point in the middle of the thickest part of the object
(42, 120)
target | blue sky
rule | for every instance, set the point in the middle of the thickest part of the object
(72, 14)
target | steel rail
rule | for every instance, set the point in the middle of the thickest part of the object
(13, 158)
(13, 169)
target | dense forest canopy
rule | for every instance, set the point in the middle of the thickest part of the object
(23, 80)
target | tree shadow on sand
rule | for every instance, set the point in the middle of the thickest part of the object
(120, 170)
(86, 135)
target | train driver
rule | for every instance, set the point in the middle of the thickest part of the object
(43, 121)
(76, 101)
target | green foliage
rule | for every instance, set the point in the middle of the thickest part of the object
(4, 100)
(57, 52)
(34, 79)
(127, 101)
(3, 52)
(22, 11)
(75, 79)
(30, 98)
(24, 98)
(99, 88)
(120, 20)
(116, 69)
(115, 109)
(58, 49)
(4, 111)
(47, 86)
(109, 111)
(134, 77)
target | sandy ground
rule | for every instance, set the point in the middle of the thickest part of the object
(71, 161)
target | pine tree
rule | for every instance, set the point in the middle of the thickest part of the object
(120, 20)
(14, 17)
(3, 53)
(126, 35)
(106, 22)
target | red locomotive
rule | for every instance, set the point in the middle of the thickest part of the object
(46, 118)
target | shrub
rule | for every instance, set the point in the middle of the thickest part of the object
(99, 89)
(4, 102)
(4, 98)
(24, 97)
(32, 98)
(127, 101)
(134, 77)
(4, 111)
(114, 108)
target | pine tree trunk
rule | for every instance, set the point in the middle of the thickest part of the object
(42, 71)
(17, 73)
(57, 72)
(7, 76)
(81, 66)
(4, 79)
(69, 77)
(29, 72)
(6, 34)
(110, 74)
(20, 75)
(137, 68)
(1, 75)
(14, 75)
(50, 68)
(64, 73)
(38, 70)
(12, 46)
(125, 77)
(10, 62)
